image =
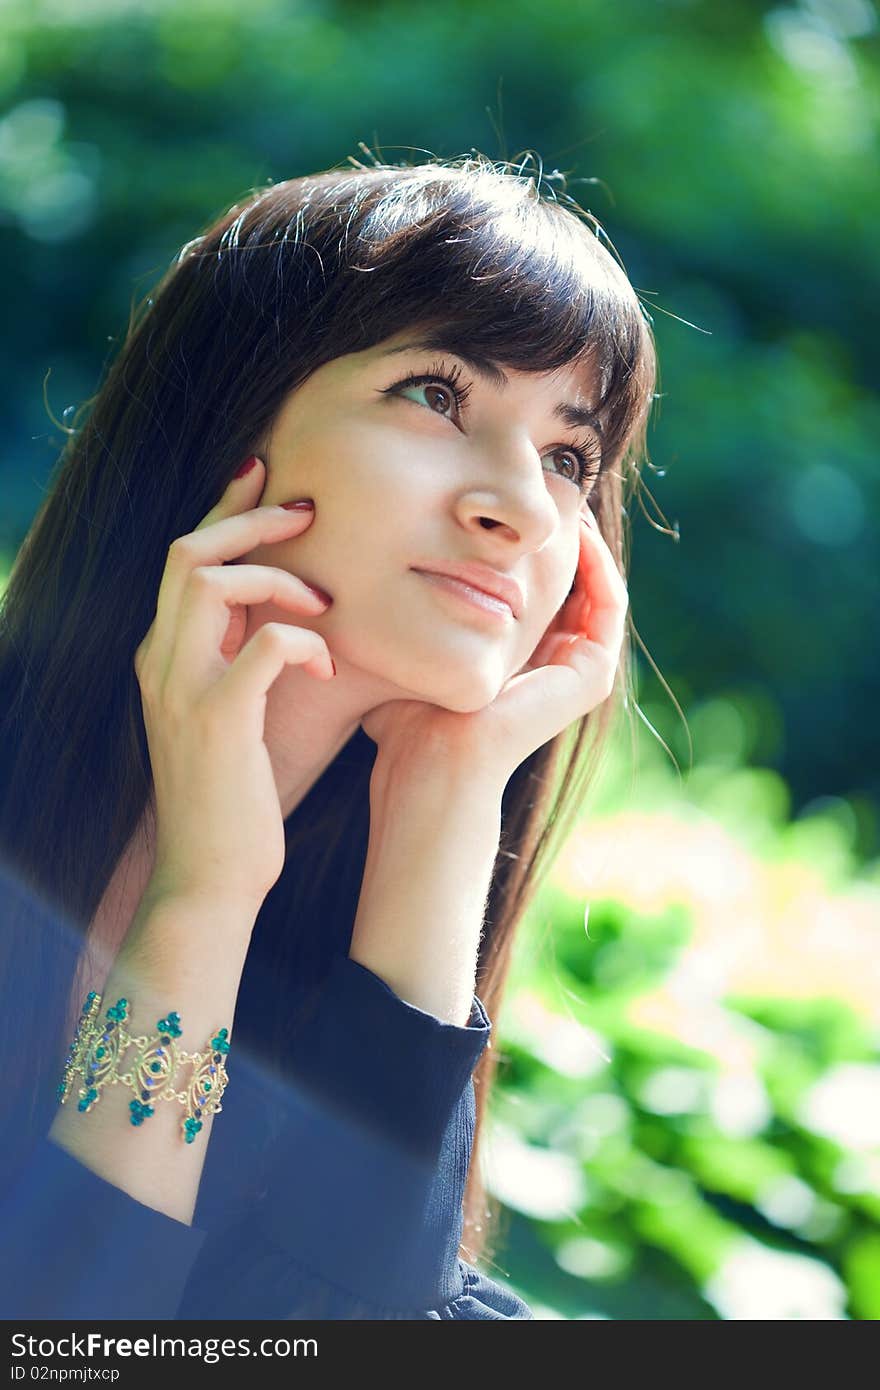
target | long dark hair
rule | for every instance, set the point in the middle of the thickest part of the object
(296, 274)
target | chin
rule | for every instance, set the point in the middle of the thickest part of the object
(470, 697)
(465, 696)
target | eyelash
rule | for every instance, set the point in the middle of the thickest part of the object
(587, 452)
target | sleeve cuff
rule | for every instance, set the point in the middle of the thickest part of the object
(385, 1063)
(374, 1157)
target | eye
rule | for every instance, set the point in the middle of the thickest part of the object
(586, 453)
(448, 379)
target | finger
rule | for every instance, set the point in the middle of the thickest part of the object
(196, 658)
(576, 679)
(241, 493)
(214, 544)
(602, 620)
(262, 660)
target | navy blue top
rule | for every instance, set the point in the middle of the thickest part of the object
(335, 1192)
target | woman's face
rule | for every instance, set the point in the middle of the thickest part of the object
(405, 478)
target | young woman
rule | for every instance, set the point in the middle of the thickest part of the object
(264, 764)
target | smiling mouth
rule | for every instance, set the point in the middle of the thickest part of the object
(476, 599)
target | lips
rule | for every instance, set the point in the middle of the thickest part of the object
(489, 581)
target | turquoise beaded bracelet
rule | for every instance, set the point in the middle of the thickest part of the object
(97, 1050)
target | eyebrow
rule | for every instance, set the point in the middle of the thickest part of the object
(574, 416)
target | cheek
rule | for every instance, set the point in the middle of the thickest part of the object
(558, 622)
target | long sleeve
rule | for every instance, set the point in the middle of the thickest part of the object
(334, 1191)
(77, 1247)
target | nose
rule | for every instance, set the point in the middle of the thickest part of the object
(510, 490)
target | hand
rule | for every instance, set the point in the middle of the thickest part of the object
(219, 823)
(569, 674)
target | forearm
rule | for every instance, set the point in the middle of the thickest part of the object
(431, 854)
(179, 955)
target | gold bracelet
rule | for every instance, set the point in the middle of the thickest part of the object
(97, 1050)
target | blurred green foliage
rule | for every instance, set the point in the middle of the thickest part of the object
(689, 1120)
(730, 152)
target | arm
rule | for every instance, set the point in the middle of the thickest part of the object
(162, 965)
(374, 1156)
(361, 1192)
(432, 849)
(364, 1184)
(359, 1210)
(96, 1221)
(382, 1142)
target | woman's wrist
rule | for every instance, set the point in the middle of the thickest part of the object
(432, 850)
(166, 895)
(430, 782)
(187, 941)
(176, 976)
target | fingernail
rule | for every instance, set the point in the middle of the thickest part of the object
(305, 506)
(247, 466)
(319, 593)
